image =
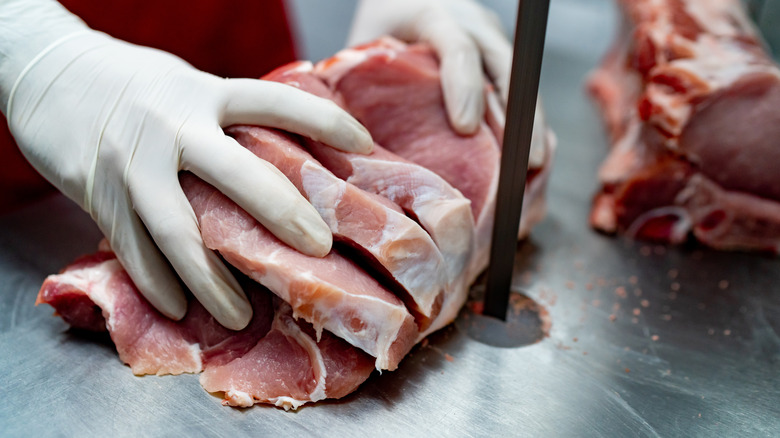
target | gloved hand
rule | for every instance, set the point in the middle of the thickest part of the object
(466, 37)
(111, 124)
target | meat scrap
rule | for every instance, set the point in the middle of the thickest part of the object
(415, 215)
(691, 101)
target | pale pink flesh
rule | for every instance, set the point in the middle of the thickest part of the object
(386, 238)
(441, 210)
(331, 293)
(152, 344)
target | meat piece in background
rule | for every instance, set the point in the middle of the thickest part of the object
(691, 102)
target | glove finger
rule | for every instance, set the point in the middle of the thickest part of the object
(266, 103)
(144, 263)
(461, 70)
(260, 189)
(174, 228)
(485, 29)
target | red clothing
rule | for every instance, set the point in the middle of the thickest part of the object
(239, 38)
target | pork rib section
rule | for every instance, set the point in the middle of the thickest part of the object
(691, 102)
(275, 359)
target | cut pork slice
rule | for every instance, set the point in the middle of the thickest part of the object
(330, 293)
(383, 236)
(691, 101)
(275, 359)
(394, 89)
(439, 208)
(333, 322)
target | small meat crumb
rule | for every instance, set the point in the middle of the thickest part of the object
(666, 317)
(723, 284)
(633, 279)
(612, 317)
(727, 332)
(644, 303)
(449, 358)
(570, 285)
(645, 251)
(638, 292)
(636, 311)
(654, 338)
(675, 286)
(575, 339)
(628, 370)
(673, 273)
(589, 286)
(621, 292)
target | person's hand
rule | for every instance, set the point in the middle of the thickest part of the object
(466, 37)
(111, 124)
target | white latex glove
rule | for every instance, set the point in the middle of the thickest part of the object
(466, 37)
(111, 124)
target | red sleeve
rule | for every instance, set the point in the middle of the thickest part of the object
(239, 38)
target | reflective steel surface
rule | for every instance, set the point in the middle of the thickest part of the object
(645, 340)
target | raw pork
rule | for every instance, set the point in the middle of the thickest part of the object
(276, 359)
(382, 234)
(691, 102)
(445, 182)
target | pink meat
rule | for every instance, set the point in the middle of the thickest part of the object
(439, 208)
(385, 237)
(394, 90)
(332, 322)
(331, 293)
(692, 105)
(152, 344)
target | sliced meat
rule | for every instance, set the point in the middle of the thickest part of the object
(331, 293)
(274, 360)
(692, 105)
(439, 208)
(332, 322)
(394, 90)
(395, 244)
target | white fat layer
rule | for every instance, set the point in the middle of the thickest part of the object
(324, 191)
(93, 280)
(238, 398)
(290, 329)
(441, 209)
(381, 321)
(679, 230)
(287, 402)
(417, 266)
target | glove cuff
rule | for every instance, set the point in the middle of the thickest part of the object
(28, 28)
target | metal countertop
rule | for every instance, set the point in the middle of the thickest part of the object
(645, 340)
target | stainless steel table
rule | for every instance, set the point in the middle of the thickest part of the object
(645, 340)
